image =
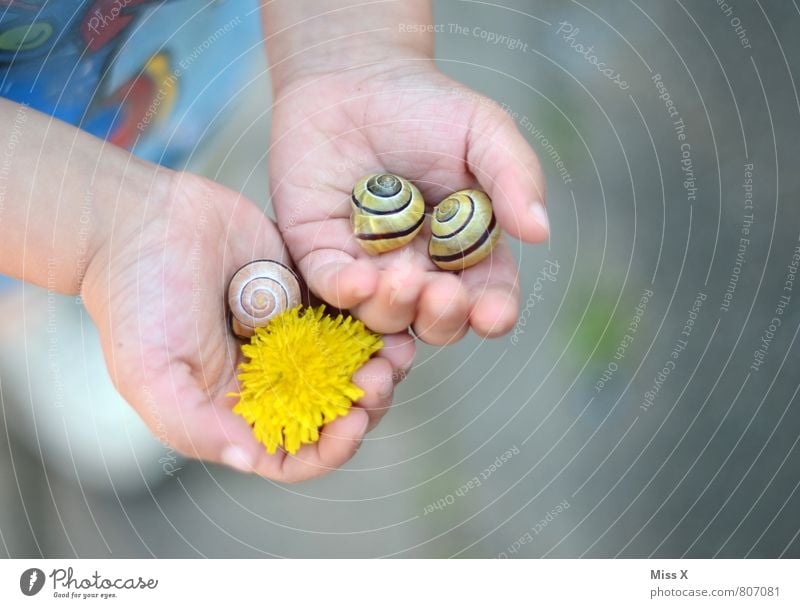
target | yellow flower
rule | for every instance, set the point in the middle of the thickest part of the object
(298, 375)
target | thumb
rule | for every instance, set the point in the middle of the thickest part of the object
(509, 171)
(183, 417)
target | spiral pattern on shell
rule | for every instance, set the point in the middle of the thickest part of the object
(258, 292)
(387, 212)
(463, 230)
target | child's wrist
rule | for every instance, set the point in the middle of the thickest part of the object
(306, 38)
(133, 199)
(72, 192)
(347, 56)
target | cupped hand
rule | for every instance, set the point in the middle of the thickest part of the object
(331, 129)
(156, 289)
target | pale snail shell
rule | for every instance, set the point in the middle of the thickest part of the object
(388, 212)
(463, 230)
(258, 292)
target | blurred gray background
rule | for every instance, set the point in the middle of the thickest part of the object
(565, 439)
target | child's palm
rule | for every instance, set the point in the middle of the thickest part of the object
(156, 295)
(329, 131)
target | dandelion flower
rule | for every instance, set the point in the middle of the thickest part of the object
(298, 375)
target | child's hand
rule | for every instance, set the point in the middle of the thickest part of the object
(331, 128)
(155, 288)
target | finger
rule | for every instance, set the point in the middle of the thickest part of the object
(394, 305)
(443, 314)
(508, 169)
(337, 444)
(375, 378)
(494, 291)
(336, 278)
(399, 349)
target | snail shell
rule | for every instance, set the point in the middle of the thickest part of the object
(388, 212)
(258, 292)
(463, 230)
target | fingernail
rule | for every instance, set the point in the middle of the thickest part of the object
(387, 392)
(400, 272)
(236, 458)
(364, 426)
(402, 281)
(362, 433)
(539, 213)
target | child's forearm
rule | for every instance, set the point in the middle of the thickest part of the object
(63, 193)
(315, 36)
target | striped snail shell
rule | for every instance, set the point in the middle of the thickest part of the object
(463, 230)
(388, 212)
(258, 292)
